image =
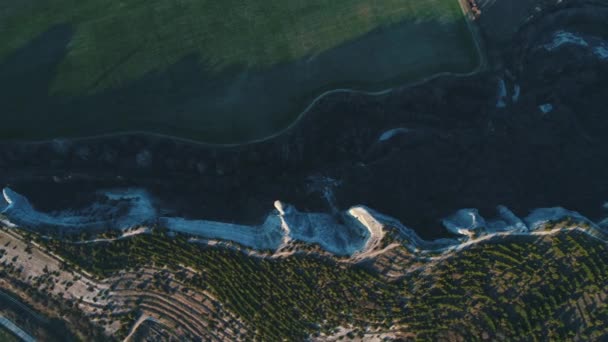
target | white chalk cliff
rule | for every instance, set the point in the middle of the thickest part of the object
(355, 232)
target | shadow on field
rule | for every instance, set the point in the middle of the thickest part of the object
(188, 99)
(25, 77)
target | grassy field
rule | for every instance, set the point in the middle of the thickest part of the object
(215, 71)
(7, 336)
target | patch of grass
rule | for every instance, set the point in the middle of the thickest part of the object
(220, 71)
(132, 37)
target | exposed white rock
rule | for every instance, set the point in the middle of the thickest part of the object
(563, 37)
(546, 108)
(323, 229)
(3, 202)
(502, 94)
(513, 222)
(374, 228)
(357, 233)
(598, 46)
(363, 229)
(19, 211)
(140, 210)
(413, 241)
(506, 221)
(285, 224)
(465, 222)
(387, 135)
(538, 217)
(601, 51)
(268, 235)
(125, 209)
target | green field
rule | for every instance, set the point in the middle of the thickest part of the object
(217, 71)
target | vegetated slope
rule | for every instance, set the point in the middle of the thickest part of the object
(217, 72)
(548, 286)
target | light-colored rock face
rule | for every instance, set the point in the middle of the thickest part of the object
(561, 38)
(268, 235)
(323, 229)
(127, 208)
(546, 108)
(502, 94)
(464, 222)
(597, 45)
(281, 225)
(509, 220)
(389, 134)
(468, 221)
(140, 207)
(601, 51)
(120, 209)
(356, 232)
(540, 216)
(11, 198)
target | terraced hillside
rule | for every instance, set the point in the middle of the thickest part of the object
(225, 71)
(542, 286)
